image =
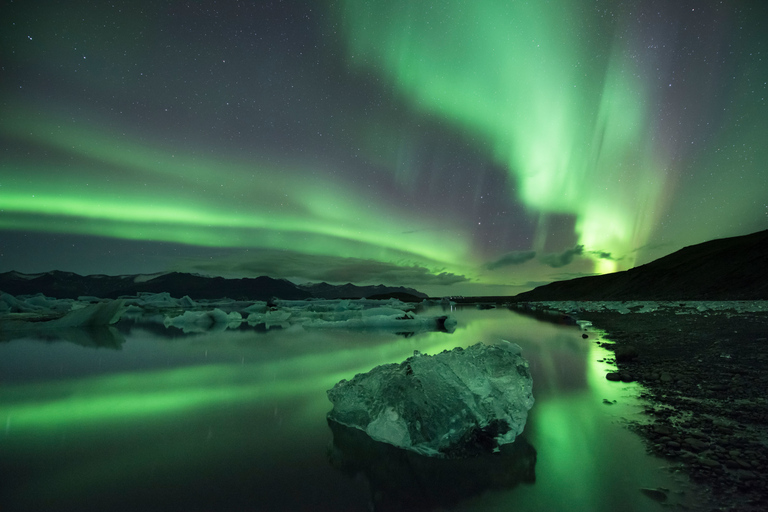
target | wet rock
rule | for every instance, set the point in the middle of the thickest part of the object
(704, 461)
(655, 494)
(614, 376)
(626, 353)
(744, 474)
(697, 434)
(626, 377)
(695, 444)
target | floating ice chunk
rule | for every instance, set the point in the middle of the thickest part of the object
(201, 321)
(99, 314)
(50, 304)
(186, 302)
(386, 311)
(453, 404)
(256, 307)
(157, 300)
(269, 318)
(14, 305)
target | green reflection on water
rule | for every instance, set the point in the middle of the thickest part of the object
(246, 413)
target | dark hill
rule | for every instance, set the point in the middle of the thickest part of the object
(351, 291)
(725, 269)
(62, 285)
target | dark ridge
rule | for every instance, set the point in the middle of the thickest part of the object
(405, 297)
(62, 285)
(350, 291)
(733, 268)
(68, 285)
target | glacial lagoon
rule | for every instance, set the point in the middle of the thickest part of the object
(141, 416)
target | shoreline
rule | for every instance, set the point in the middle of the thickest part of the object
(703, 378)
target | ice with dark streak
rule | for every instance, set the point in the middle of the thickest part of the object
(454, 404)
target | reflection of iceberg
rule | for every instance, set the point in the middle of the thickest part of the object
(94, 337)
(90, 326)
(100, 314)
(404, 480)
(270, 318)
(454, 404)
(401, 322)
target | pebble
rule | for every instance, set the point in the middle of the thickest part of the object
(696, 444)
(655, 494)
(626, 353)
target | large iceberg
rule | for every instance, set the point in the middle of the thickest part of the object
(453, 404)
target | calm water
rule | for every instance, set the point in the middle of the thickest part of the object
(236, 420)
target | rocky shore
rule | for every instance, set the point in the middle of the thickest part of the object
(705, 380)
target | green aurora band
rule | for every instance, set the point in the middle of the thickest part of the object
(573, 127)
(125, 189)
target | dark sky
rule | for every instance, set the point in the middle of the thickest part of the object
(457, 147)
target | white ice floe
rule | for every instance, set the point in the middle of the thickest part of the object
(202, 321)
(206, 315)
(26, 315)
(38, 304)
(93, 315)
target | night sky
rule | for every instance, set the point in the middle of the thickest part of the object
(459, 147)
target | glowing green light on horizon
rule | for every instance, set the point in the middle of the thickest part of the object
(572, 129)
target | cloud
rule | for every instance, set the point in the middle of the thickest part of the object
(602, 255)
(511, 258)
(333, 269)
(557, 260)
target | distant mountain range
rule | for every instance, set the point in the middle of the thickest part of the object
(62, 285)
(725, 269)
(349, 291)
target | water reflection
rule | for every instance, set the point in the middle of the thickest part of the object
(237, 420)
(404, 480)
(94, 337)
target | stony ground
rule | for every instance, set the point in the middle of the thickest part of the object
(706, 382)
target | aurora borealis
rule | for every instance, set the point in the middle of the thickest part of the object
(457, 147)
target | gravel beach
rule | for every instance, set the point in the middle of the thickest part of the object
(704, 378)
